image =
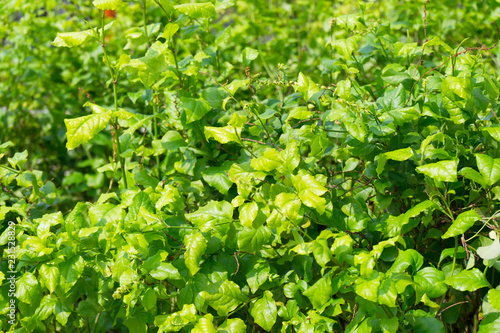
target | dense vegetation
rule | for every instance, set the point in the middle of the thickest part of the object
(247, 166)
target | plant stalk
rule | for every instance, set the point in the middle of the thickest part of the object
(114, 77)
(144, 22)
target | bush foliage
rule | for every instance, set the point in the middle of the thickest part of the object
(246, 166)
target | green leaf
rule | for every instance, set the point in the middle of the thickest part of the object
(248, 213)
(165, 271)
(177, 320)
(322, 252)
(81, 130)
(387, 293)
(222, 38)
(494, 298)
(195, 108)
(306, 87)
(196, 245)
(269, 161)
(490, 252)
(235, 325)
(344, 89)
(396, 223)
(389, 325)
(108, 4)
(218, 177)
(70, 39)
(170, 30)
(252, 240)
(444, 171)
(346, 46)
(430, 281)
(468, 280)
(212, 214)
(223, 134)
(169, 195)
(287, 206)
(144, 178)
(290, 158)
(197, 10)
(406, 259)
(237, 120)
(28, 290)
(258, 275)
(357, 131)
(225, 299)
(264, 311)
(136, 324)
(493, 131)
(402, 116)
(46, 307)
(462, 223)
(233, 87)
(394, 74)
(300, 113)
(368, 289)
(489, 168)
(205, 325)
(149, 299)
(428, 325)
(473, 175)
(172, 140)
(396, 155)
(439, 42)
(309, 190)
(18, 159)
(70, 272)
(457, 96)
(320, 292)
(248, 55)
(490, 323)
(49, 276)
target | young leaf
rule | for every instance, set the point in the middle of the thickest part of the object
(346, 46)
(309, 190)
(223, 134)
(468, 280)
(197, 10)
(494, 298)
(196, 246)
(269, 161)
(81, 130)
(218, 177)
(252, 240)
(396, 155)
(215, 212)
(462, 223)
(444, 171)
(235, 325)
(108, 4)
(494, 132)
(306, 87)
(70, 39)
(489, 168)
(248, 213)
(320, 292)
(18, 159)
(264, 311)
(195, 108)
(227, 298)
(248, 55)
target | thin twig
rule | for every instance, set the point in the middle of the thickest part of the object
(451, 307)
